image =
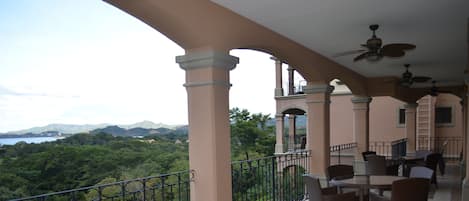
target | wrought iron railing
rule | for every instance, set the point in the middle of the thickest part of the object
(271, 178)
(164, 187)
(391, 149)
(340, 150)
(450, 147)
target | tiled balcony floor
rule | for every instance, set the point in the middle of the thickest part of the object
(449, 185)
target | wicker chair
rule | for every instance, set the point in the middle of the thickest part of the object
(412, 189)
(431, 162)
(376, 165)
(365, 154)
(314, 192)
(339, 172)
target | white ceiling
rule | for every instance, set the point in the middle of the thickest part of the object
(439, 29)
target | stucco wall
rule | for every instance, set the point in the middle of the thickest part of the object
(341, 119)
(456, 128)
(383, 119)
(384, 113)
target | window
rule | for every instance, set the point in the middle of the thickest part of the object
(401, 117)
(443, 115)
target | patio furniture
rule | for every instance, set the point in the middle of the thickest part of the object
(431, 162)
(412, 189)
(421, 172)
(314, 192)
(365, 154)
(366, 182)
(422, 153)
(408, 162)
(339, 172)
(376, 165)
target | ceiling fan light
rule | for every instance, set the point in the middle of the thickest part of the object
(373, 57)
(374, 43)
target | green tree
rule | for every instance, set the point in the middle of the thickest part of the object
(250, 134)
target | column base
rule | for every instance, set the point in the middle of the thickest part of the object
(359, 167)
(278, 92)
(465, 189)
(279, 149)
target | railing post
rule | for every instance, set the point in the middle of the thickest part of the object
(274, 186)
(100, 193)
(144, 186)
(179, 186)
(162, 188)
(339, 157)
(123, 190)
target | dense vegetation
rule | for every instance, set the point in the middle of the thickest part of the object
(88, 159)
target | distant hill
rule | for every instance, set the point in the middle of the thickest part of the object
(118, 131)
(148, 125)
(61, 128)
(73, 128)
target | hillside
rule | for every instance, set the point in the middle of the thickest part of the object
(85, 128)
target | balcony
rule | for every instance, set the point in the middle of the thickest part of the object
(270, 178)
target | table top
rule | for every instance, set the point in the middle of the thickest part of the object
(368, 181)
(411, 158)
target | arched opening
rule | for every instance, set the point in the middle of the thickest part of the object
(295, 129)
(440, 123)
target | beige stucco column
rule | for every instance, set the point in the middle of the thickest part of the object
(318, 127)
(465, 183)
(410, 126)
(279, 127)
(361, 129)
(291, 80)
(291, 131)
(207, 84)
(278, 77)
(464, 117)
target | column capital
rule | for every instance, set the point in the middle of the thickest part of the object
(275, 59)
(361, 99)
(322, 88)
(410, 106)
(206, 59)
(291, 116)
(279, 115)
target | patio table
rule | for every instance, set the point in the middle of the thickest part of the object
(366, 182)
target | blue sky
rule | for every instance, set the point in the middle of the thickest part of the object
(87, 62)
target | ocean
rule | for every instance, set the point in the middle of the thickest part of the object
(12, 141)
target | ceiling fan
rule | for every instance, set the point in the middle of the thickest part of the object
(434, 91)
(375, 51)
(408, 79)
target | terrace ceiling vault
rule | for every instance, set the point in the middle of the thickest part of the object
(306, 35)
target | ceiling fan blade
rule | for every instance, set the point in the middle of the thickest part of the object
(389, 51)
(421, 78)
(443, 91)
(401, 46)
(345, 53)
(361, 56)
